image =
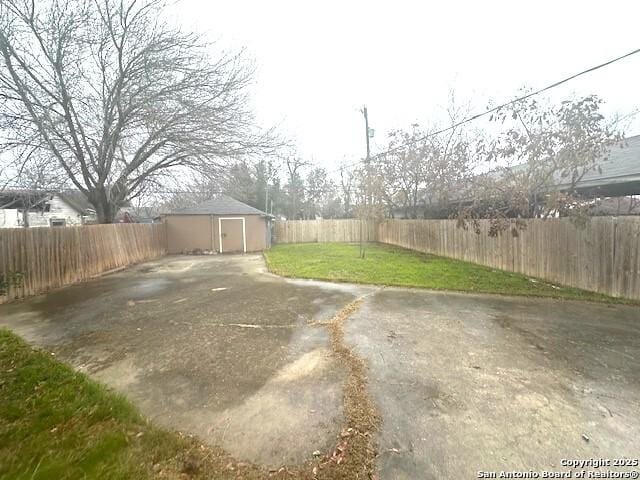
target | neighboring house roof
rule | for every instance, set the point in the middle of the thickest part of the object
(78, 200)
(31, 199)
(220, 205)
(618, 175)
(23, 198)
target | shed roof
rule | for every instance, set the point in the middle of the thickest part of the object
(219, 205)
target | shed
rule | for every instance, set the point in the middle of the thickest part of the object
(222, 225)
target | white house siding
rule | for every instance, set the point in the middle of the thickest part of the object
(10, 218)
(58, 210)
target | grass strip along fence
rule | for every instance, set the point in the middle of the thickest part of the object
(603, 256)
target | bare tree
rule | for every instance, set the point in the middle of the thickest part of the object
(320, 193)
(116, 96)
(402, 171)
(369, 201)
(294, 187)
(188, 193)
(422, 168)
(539, 160)
(420, 176)
(347, 187)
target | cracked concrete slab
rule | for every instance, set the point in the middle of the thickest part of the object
(212, 346)
(466, 383)
(218, 347)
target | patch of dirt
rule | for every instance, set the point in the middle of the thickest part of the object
(357, 447)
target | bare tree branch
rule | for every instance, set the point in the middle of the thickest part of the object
(114, 95)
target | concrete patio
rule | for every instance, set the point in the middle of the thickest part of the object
(217, 347)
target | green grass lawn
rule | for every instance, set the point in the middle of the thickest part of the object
(388, 265)
(55, 423)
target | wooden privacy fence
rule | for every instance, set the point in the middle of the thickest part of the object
(323, 231)
(46, 258)
(604, 256)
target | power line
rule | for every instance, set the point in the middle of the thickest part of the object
(494, 109)
(230, 192)
(472, 118)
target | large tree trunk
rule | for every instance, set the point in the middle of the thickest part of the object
(105, 209)
(105, 212)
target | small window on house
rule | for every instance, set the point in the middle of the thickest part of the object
(58, 222)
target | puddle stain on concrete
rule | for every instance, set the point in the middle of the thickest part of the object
(190, 358)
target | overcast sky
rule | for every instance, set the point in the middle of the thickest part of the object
(318, 63)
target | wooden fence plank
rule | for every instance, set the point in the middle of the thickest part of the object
(323, 231)
(603, 256)
(52, 257)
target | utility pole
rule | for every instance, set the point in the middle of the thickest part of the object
(368, 197)
(366, 132)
